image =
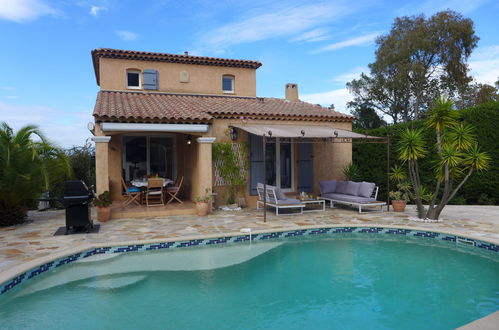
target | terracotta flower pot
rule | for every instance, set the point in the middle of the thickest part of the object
(399, 206)
(103, 213)
(202, 208)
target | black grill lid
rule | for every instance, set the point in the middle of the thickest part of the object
(75, 188)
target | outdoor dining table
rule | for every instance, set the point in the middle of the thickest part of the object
(143, 183)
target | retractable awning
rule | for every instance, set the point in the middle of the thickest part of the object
(291, 131)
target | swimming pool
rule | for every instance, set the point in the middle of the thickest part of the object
(327, 281)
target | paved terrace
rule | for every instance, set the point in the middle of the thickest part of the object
(32, 242)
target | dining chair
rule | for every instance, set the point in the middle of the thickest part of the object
(174, 190)
(154, 192)
(131, 194)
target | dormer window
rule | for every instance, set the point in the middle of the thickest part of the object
(228, 84)
(133, 79)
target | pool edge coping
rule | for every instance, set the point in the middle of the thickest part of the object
(17, 270)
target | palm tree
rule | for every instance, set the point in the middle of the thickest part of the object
(458, 156)
(27, 162)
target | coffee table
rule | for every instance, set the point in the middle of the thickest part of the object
(320, 202)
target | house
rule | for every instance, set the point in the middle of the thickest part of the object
(160, 113)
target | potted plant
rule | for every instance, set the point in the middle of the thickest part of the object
(103, 203)
(399, 197)
(203, 203)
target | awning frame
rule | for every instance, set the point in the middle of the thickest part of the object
(338, 136)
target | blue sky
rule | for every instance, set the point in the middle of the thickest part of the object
(47, 76)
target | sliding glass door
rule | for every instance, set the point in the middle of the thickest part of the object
(148, 155)
(279, 164)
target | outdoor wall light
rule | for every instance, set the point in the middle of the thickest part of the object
(233, 134)
(188, 139)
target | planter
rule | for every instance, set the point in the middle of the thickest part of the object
(399, 206)
(202, 208)
(103, 213)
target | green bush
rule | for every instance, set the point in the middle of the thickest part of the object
(371, 158)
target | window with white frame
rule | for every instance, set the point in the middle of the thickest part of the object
(228, 84)
(133, 79)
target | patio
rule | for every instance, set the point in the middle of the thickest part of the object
(33, 241)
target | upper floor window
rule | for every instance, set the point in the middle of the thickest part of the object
(228, 84)
(133, 79)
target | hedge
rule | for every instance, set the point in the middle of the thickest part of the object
(481, 188)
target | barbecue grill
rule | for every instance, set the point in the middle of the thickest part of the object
(77, 199)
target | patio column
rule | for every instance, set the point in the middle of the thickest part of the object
(101, 163)
(204, 166)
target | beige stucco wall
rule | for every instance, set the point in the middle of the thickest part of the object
(329, 158)
(202, 79)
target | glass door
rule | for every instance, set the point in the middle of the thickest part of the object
(279, 157)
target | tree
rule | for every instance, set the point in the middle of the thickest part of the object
(478, 94)
(26, 166)
(365, 117)
(458, 156)
(417, 61)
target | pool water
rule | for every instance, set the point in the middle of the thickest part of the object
(314, 284)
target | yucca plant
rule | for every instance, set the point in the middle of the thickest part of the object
(27, 162)
(458, 156)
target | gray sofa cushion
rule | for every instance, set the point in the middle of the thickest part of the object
(288, 201)
(279, 194)
(327, 186)
(366, 189)
(341, 187)
(349, 198)
(353, 188)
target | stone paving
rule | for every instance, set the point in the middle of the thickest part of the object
(34, 240)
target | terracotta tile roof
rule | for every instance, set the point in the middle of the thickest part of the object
(164, 57)
(163, 107)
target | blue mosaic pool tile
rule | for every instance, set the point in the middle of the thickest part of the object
(449, 238)
(370, 230)
(271, 235)
(68, 259)
(193, 242)
(159, 246)
(243, 238)
(41, 269)
(343, 230)
(426, 234)
(220, 240)
(129, 248)
(15, 281)
(488, 246)
(295, 233)
(93, 252)
(398, 231)
(319, 231)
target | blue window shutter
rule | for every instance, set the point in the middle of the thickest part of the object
(150, 79)
(305, 167)
(255, 162)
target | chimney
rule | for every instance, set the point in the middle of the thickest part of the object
(186, 53)
(292, 92)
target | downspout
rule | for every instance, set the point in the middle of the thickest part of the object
(264, 179)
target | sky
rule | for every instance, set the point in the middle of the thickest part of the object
(47, 77)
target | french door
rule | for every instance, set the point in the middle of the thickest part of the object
(279, 160)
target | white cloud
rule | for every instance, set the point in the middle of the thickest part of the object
(63, 127)
(12, 97)
(430, 7)
(484, 64)
(312, 36)
(339, 97)
(94, 10)
(127, 35)
(349, 76)
(357, 41)
(274, 23)
(21, 11)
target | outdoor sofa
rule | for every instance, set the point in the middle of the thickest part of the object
(351, 193)
(277, 199)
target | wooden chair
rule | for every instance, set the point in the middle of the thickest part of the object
(132, 195)
(174, 190)
(154, 192)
